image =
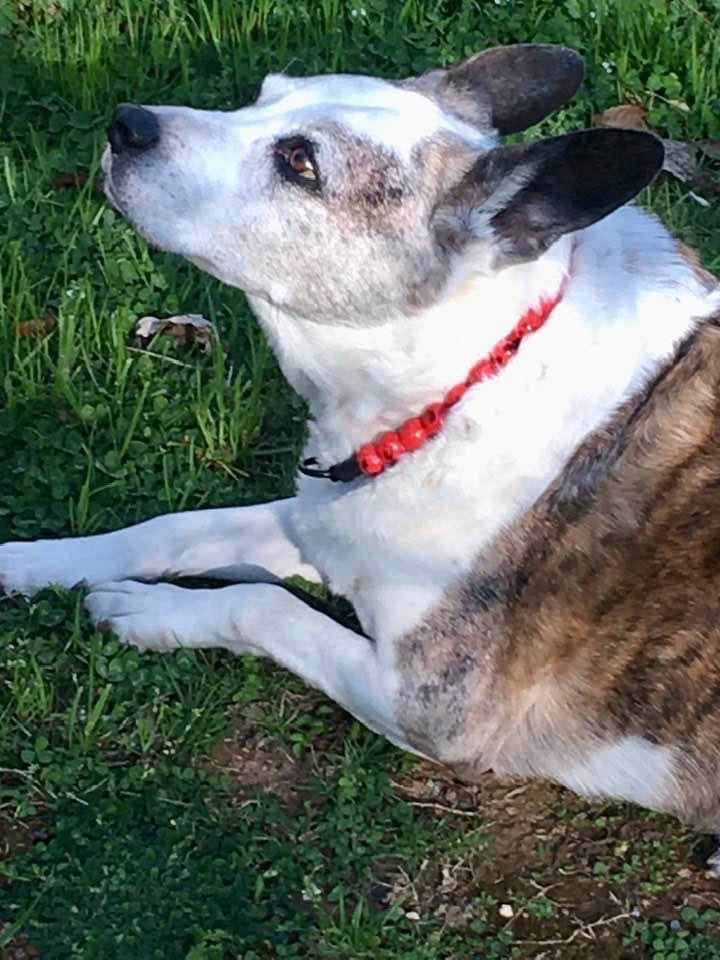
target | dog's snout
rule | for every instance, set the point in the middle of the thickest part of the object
(133, 128)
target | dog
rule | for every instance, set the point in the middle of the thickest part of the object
(513, 464)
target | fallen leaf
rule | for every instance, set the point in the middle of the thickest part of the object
(680, 159)
(65, 181)
(630, 116)
(39, 327)
(185, 328)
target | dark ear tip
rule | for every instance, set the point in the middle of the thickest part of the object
(563, 61)
(653, 146)
(646, 150)
(575, 64)
(569, 57)
(545, 76)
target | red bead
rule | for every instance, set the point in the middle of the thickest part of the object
(510, 346)
(369, 460)
(432, 419)
(501, 354)
(412, 434)
(533, 320)
(454, 395)
(390, 448)
(373, 458)
(481, 371)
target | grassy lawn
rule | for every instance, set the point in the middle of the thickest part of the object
(196, 806)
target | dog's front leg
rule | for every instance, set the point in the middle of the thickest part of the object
(243, 543)
(261, 619)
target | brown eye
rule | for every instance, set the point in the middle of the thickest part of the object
(301, 163)
(295, 159)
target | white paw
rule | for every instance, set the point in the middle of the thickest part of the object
(712, 864)
(28, 567)
(152, 616)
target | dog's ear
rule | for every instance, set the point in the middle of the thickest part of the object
(519, 199)
(507, 88)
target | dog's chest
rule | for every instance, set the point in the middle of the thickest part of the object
(394, 545)
(392, 562)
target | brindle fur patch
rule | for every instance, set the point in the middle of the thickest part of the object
(597, 615)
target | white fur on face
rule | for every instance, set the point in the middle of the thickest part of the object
(392, 116)
(210, 190)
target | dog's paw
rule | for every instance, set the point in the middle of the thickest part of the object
(28, 567)
(712, 864)
(151, 616)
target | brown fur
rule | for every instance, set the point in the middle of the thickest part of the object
(597, 615)
(692, 257)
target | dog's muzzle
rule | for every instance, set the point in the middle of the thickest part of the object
(133, 129)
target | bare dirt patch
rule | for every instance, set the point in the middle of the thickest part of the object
(257, 763)
(566, 876)
(19, 948)
(17, 837)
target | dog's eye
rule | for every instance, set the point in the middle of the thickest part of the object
(301, 163)
(296, 161)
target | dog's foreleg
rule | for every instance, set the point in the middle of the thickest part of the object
(261, 619)
(244, 543)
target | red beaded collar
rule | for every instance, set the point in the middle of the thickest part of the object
(373, 458)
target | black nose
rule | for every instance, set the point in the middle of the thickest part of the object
(133, 128)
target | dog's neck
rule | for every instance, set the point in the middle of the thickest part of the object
(359, 382)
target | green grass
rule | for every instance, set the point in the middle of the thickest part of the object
(129, 835)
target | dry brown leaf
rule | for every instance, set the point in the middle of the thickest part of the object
(185, 328)
(39, 327)
(630, 116)
(76, 179)
(64, 181)
(680, 159)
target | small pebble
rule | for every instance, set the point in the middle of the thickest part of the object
(506, 911)
(675, 925)
(412, 915)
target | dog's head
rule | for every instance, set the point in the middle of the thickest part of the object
(350, 199)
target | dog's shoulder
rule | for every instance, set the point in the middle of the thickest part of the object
(589, 599)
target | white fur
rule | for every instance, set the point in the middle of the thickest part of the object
(631, 769)
(713, 864)
(255, 543)
(391, 115)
